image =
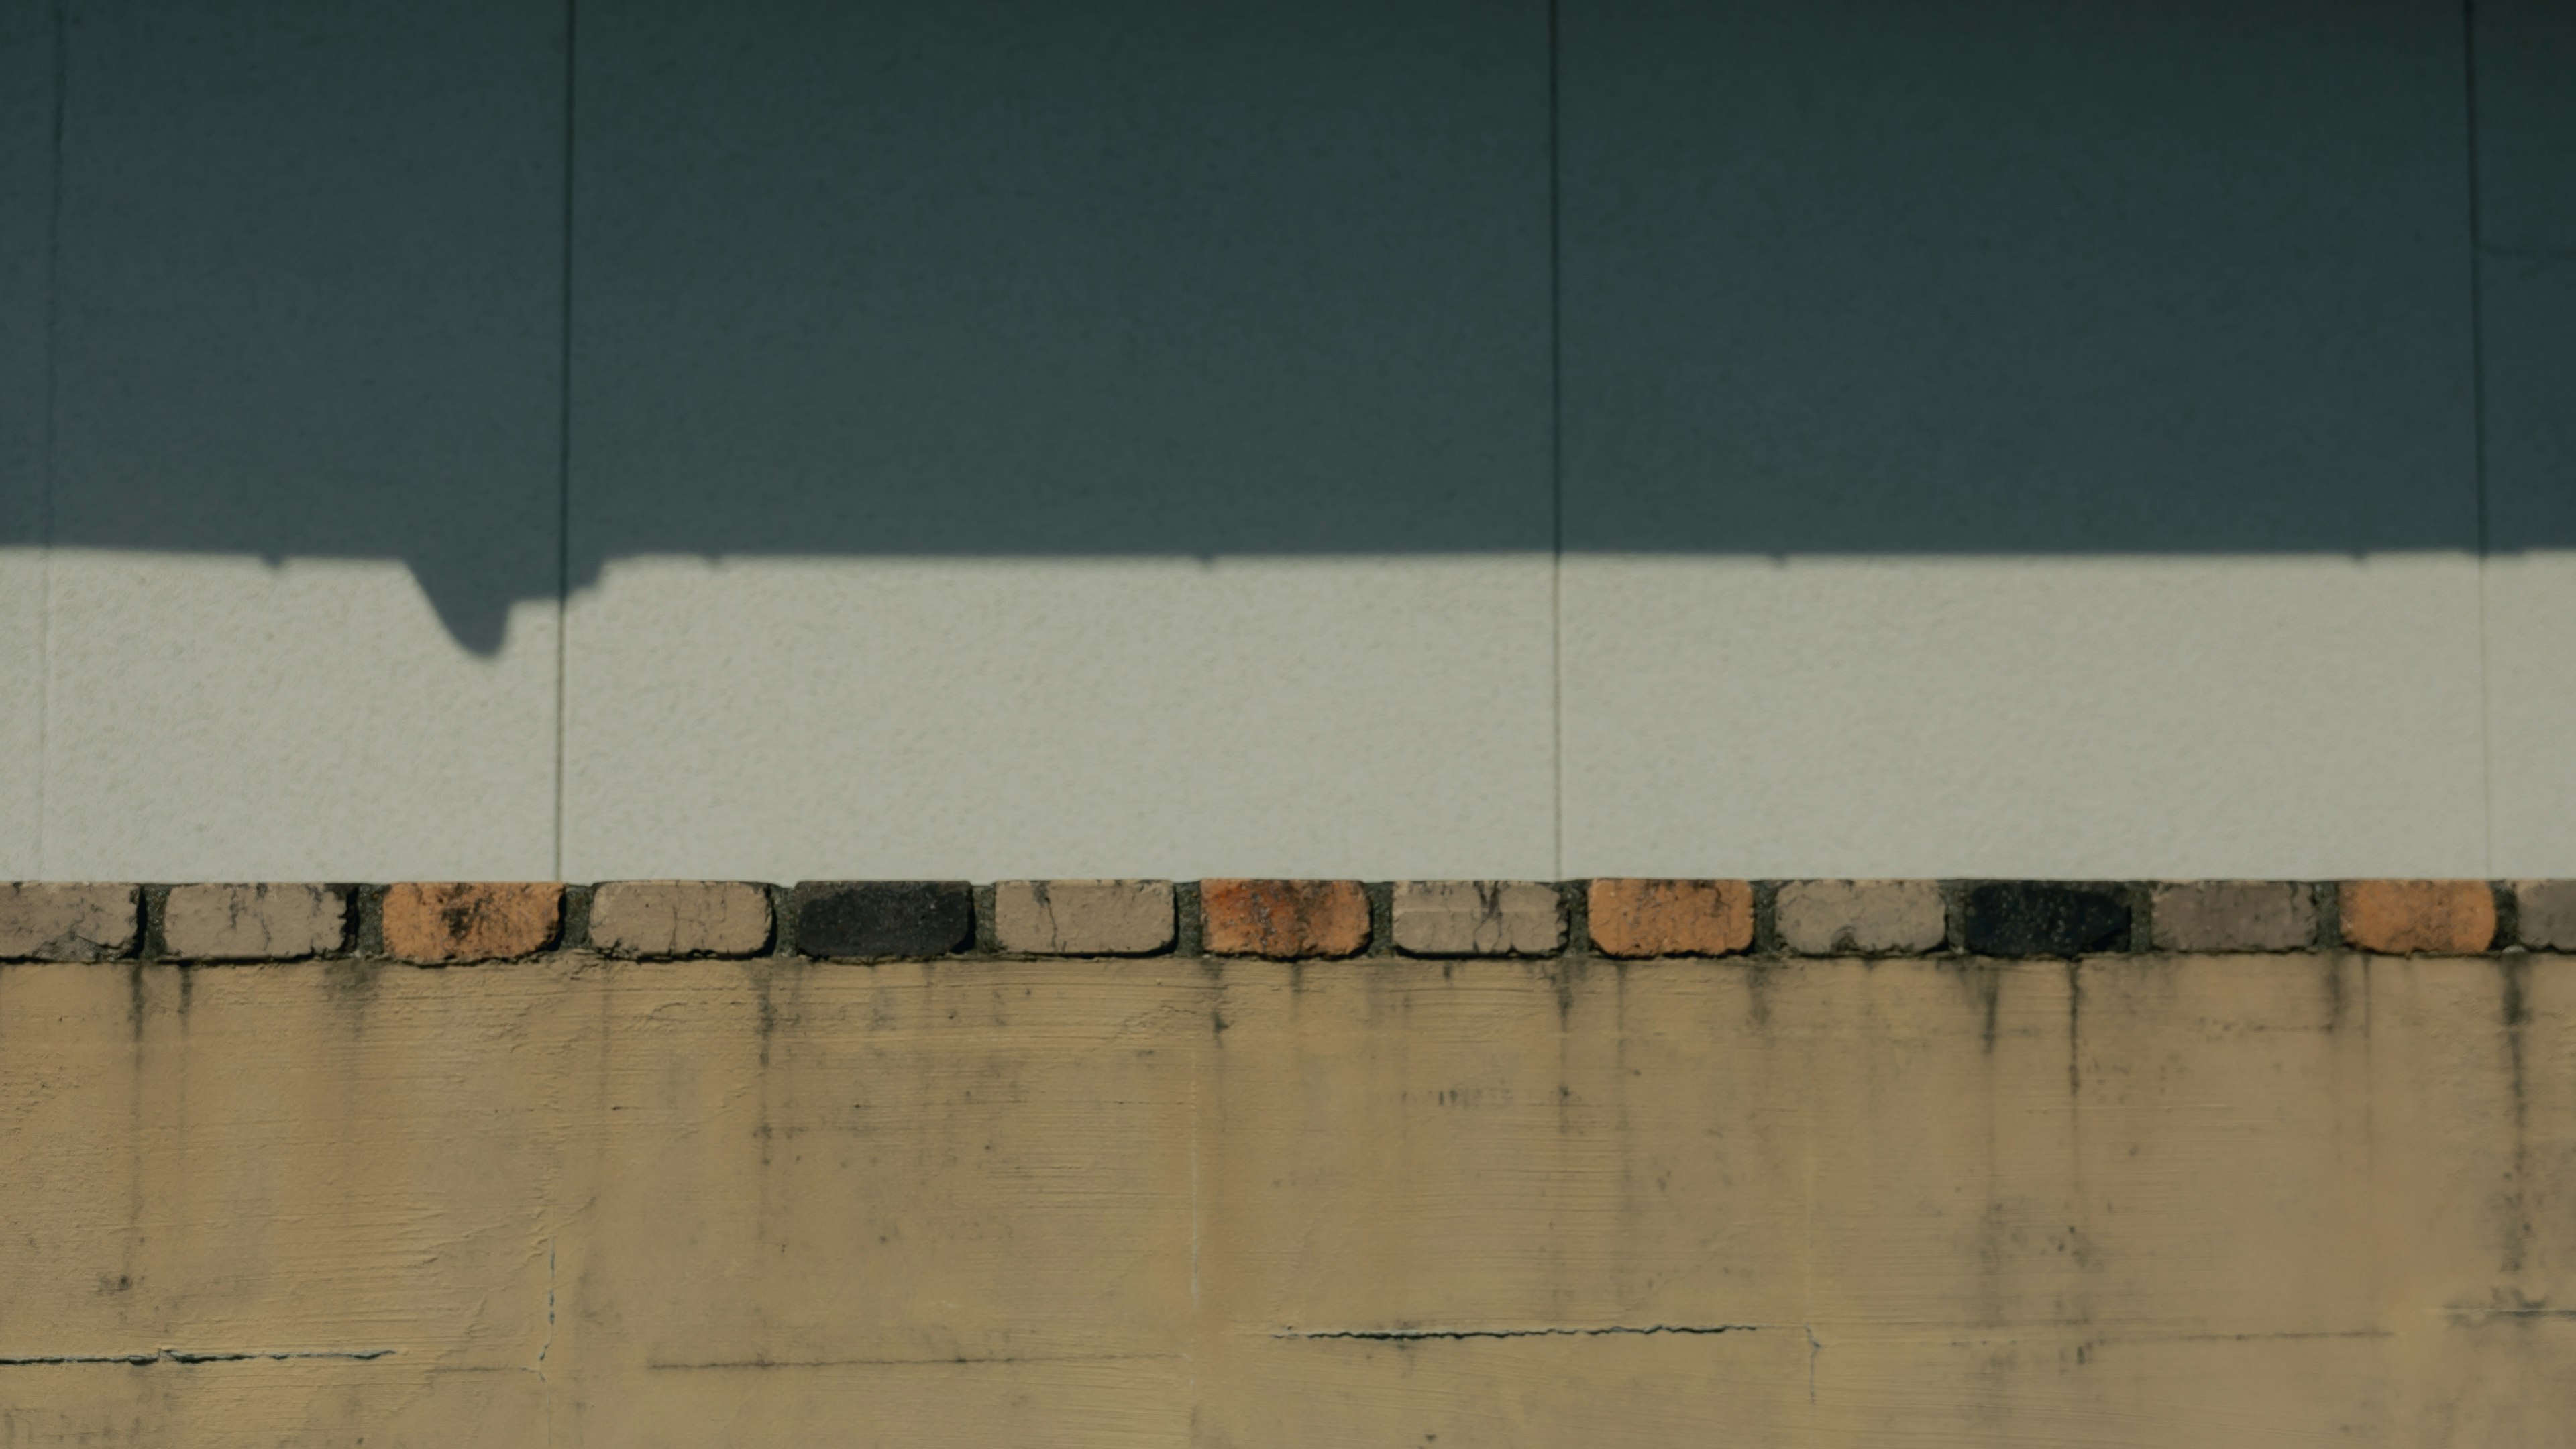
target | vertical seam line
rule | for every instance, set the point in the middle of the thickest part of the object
(49, 444)
(2478, 426)
(1556, 430)
(563, 431)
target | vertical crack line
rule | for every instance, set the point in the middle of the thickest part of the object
(1556, 427)
(563, 424)
(548, 1346)
(2478, 416)
(1813, 1348)
(49, 425)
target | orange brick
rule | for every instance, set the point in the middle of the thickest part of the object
(2419, 917)
(1671, 917)
(435, 921)
(1285, 919)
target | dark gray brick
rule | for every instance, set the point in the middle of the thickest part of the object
(2045, 918)
(883, 917)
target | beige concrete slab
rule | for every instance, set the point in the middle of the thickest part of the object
(227, 1162)
(1993, 1389)
(265, 1403)
(996, 1159)
(2039, 1146)
(2181, 1200)
(1737, 1389)
(2474, 1103)
(1495, 1146)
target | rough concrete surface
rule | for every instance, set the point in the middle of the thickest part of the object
(2145, 1202)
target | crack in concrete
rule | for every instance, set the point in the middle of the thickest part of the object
(952, 1359)
(190, 1356)
(1406, 1334)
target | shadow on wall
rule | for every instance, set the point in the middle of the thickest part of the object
(1151, 279)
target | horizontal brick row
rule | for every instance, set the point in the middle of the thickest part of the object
(436, 923)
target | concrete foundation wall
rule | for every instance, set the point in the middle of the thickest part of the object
(2146, 1200)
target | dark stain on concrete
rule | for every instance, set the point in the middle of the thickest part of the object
(2514, 1206)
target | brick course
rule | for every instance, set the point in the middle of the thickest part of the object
(439, 922)
(435, 922)
(2419, 917)
(1670, 917)
(1284, 920)
(261, 922)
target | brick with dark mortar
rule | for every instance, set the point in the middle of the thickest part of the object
(883, 918)
(2419, 917)
(676, 918)
(2232, 915)
(1478, 918)
(2045, 918)
(1284, 920)
(1082, 917)
(2546, 910)
(68, 921)
(1670, 917)
(264, 922)
(1861, 917)
(433, 922)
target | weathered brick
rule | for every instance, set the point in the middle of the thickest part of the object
(1477, 918)
(670, 918)
(2547, 911)
(2044, 918)
(1670, 917)
(66, 921)
(1083, 917)
(438, 921)
(1285, 920)
(2232, 915)
(2419, 917)
(883, 918)
(1861, 917)
(266, 922)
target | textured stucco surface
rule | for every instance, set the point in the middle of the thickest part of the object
(2182, 1201)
